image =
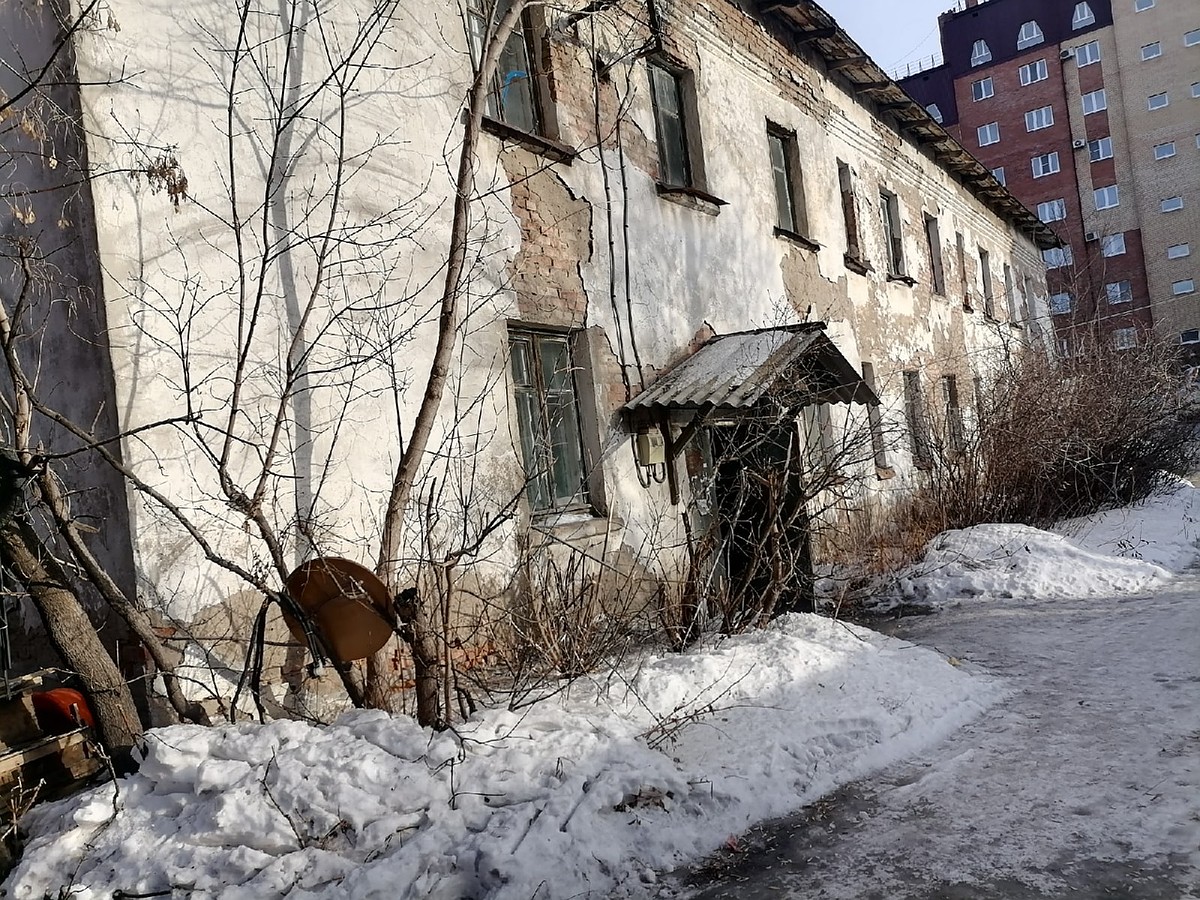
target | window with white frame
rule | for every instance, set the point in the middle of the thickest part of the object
(1030, 35)
(1094, 102)
(1046, 164)
(1191, 336)
(1052, 210)
(1060, 304)
(1171, 204)
(1142, 5)
(1196, 89)
(1192, 38)
(1107, 197)
(1158, 101)
(1082, 17)
(1087, 54)
(1151, 51)
(1179, 251)
(982, 89)
(1125, 338)
(1112, 244)
(1057, 257)
(1037, 119)
(1034, 72)
(1100, 149)
(1164, 151)
(989, 134)
(1118, 292)
(998, 174)
(935, 112)
(980, 53)
(1187, 286)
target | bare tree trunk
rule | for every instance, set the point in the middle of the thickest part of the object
(424, 624)
(74, 638)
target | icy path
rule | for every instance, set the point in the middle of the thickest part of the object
(1085, 783)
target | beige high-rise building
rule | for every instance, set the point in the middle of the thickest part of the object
(1090, 113)
(1158, 63)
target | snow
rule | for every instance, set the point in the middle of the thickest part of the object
(592, 793)
(1127, 551)
(1084, 782)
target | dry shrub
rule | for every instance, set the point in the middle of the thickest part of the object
(1049, 440)
(1063, 439)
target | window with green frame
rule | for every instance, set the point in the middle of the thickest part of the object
(548, 418)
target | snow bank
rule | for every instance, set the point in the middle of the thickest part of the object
(1124, 551)
(590, 794)
(1163, 529)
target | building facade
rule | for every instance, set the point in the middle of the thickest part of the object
(1088, 111)
(678, 208)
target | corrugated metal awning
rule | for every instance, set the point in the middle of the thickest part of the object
(733, 372)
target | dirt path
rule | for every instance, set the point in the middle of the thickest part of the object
(1084, 783)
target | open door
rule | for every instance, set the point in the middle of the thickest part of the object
(759, 504)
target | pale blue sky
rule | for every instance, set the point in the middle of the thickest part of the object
(894, 32)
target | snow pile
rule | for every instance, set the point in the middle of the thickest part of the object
(589, 794)
(988, 561)
(1118, 552)
(1163, 529)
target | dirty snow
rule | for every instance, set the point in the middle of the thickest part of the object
(593, 793)
(1083, 783)
(1125, 551)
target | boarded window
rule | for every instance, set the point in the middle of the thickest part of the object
(917, 420)
(956, 437)
(875, 418)
(849, 212)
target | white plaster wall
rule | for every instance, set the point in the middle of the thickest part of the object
(687, 269)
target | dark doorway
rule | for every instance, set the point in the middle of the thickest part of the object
(759, 501)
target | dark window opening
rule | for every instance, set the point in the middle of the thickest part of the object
(956, 436)
(849, 213)
(989, 300)
(890, 208)
(918, 423)
(875, 419)
(960, 255)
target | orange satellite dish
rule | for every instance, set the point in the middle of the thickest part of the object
(347, 603)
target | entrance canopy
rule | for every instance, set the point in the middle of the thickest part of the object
(733, 372)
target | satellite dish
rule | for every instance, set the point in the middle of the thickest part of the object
(348, 604)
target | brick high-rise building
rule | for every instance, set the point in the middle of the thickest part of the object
(1090, 113)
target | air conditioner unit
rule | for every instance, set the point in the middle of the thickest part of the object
(1066, 54)
(1091, 235)
(1079, 143)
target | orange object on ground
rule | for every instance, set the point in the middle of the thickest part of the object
(61, 710)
